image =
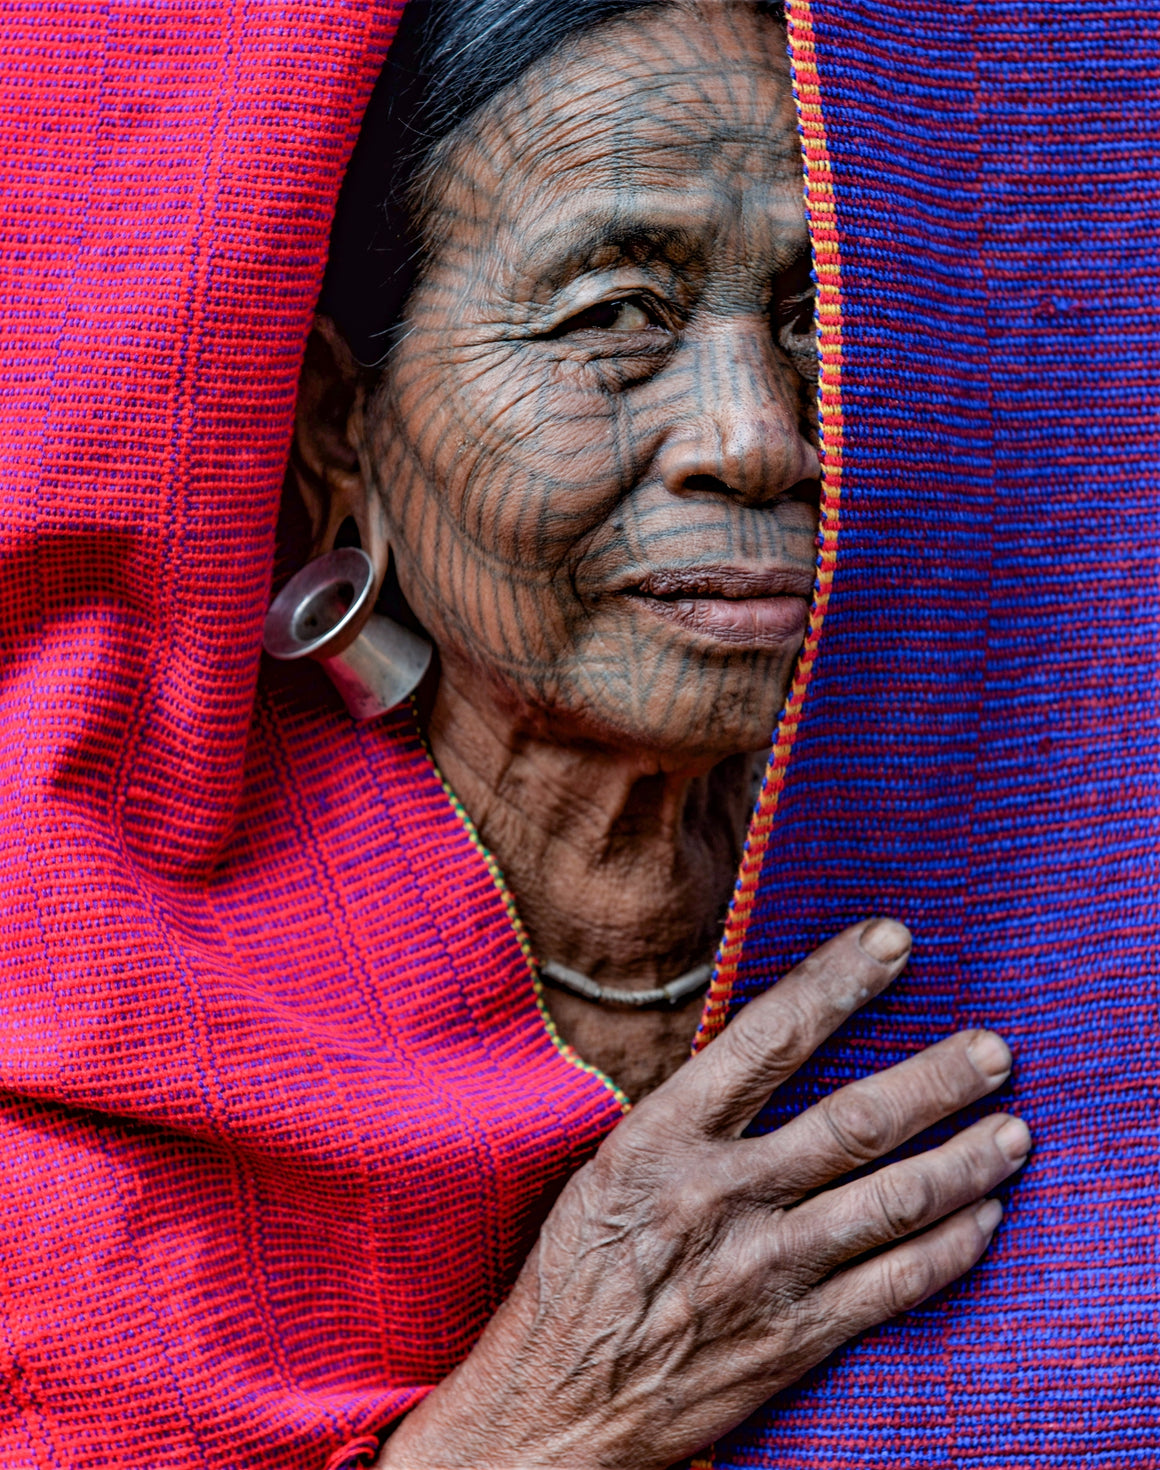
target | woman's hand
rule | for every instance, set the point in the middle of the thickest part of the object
(686, 1274)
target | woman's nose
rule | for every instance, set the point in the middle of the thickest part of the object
(744, 436)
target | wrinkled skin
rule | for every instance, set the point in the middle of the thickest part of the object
(591, 453)
(681, 1279)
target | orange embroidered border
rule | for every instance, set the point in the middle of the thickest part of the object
(827, 265)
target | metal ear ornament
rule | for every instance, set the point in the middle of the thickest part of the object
(324, 613)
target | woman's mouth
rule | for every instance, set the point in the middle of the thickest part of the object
(767, 609)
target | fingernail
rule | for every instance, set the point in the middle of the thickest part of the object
(990, 1056)
(1014, 1138)
(988, 1215)
(885, 940)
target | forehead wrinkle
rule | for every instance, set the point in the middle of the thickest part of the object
(623, 127)
(654, 183)
(647, 230)
(678, 232)
(603, 155)
(643, 162)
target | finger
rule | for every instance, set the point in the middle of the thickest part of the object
(897, 1281)
(719, 1091)
(909, 1196)
(861, 1122)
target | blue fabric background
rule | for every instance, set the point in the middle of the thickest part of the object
(979, 752)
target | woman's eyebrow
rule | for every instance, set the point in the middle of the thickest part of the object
(602, 240)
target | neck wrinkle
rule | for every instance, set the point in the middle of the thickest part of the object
(620, 868)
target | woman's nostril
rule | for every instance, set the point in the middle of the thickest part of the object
(705, 484)
(809, 492)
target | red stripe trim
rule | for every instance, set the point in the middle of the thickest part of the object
(827, 265)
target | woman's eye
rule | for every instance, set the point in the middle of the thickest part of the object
(795, 331)
(796, 316)
(626, 315)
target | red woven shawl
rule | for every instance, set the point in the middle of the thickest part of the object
(278, 1108)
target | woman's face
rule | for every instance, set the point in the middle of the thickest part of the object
(593, 441)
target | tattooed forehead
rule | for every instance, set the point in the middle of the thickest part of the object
(669, 101)
(655, 122)
(646, 152)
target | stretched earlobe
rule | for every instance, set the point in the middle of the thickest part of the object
(325, 613)
(326, 462)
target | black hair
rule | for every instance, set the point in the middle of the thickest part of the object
(449, 58)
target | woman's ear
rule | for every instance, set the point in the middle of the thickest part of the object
(326, 459)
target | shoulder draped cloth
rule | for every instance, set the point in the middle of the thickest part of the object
(279, 1112)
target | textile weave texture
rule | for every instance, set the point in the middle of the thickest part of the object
(279, 1113)
(978, 747)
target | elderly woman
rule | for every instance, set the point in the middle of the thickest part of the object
(345, 1198)
(584, 451)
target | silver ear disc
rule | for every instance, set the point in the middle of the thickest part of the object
(324, 613)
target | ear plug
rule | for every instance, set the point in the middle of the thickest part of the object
(325, 613)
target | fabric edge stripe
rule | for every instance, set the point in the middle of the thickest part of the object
(822, 215)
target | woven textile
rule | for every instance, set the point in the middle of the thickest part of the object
(278, 1109)
(975, 746)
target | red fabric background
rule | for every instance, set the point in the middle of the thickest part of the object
(277, 1107)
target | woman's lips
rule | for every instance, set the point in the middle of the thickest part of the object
(750, 622)
(765, 609)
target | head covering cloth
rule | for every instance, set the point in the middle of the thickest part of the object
(279, 1111)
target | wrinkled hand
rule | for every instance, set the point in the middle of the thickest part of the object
(686, 1274)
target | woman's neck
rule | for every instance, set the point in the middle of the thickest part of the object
(620, 868)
